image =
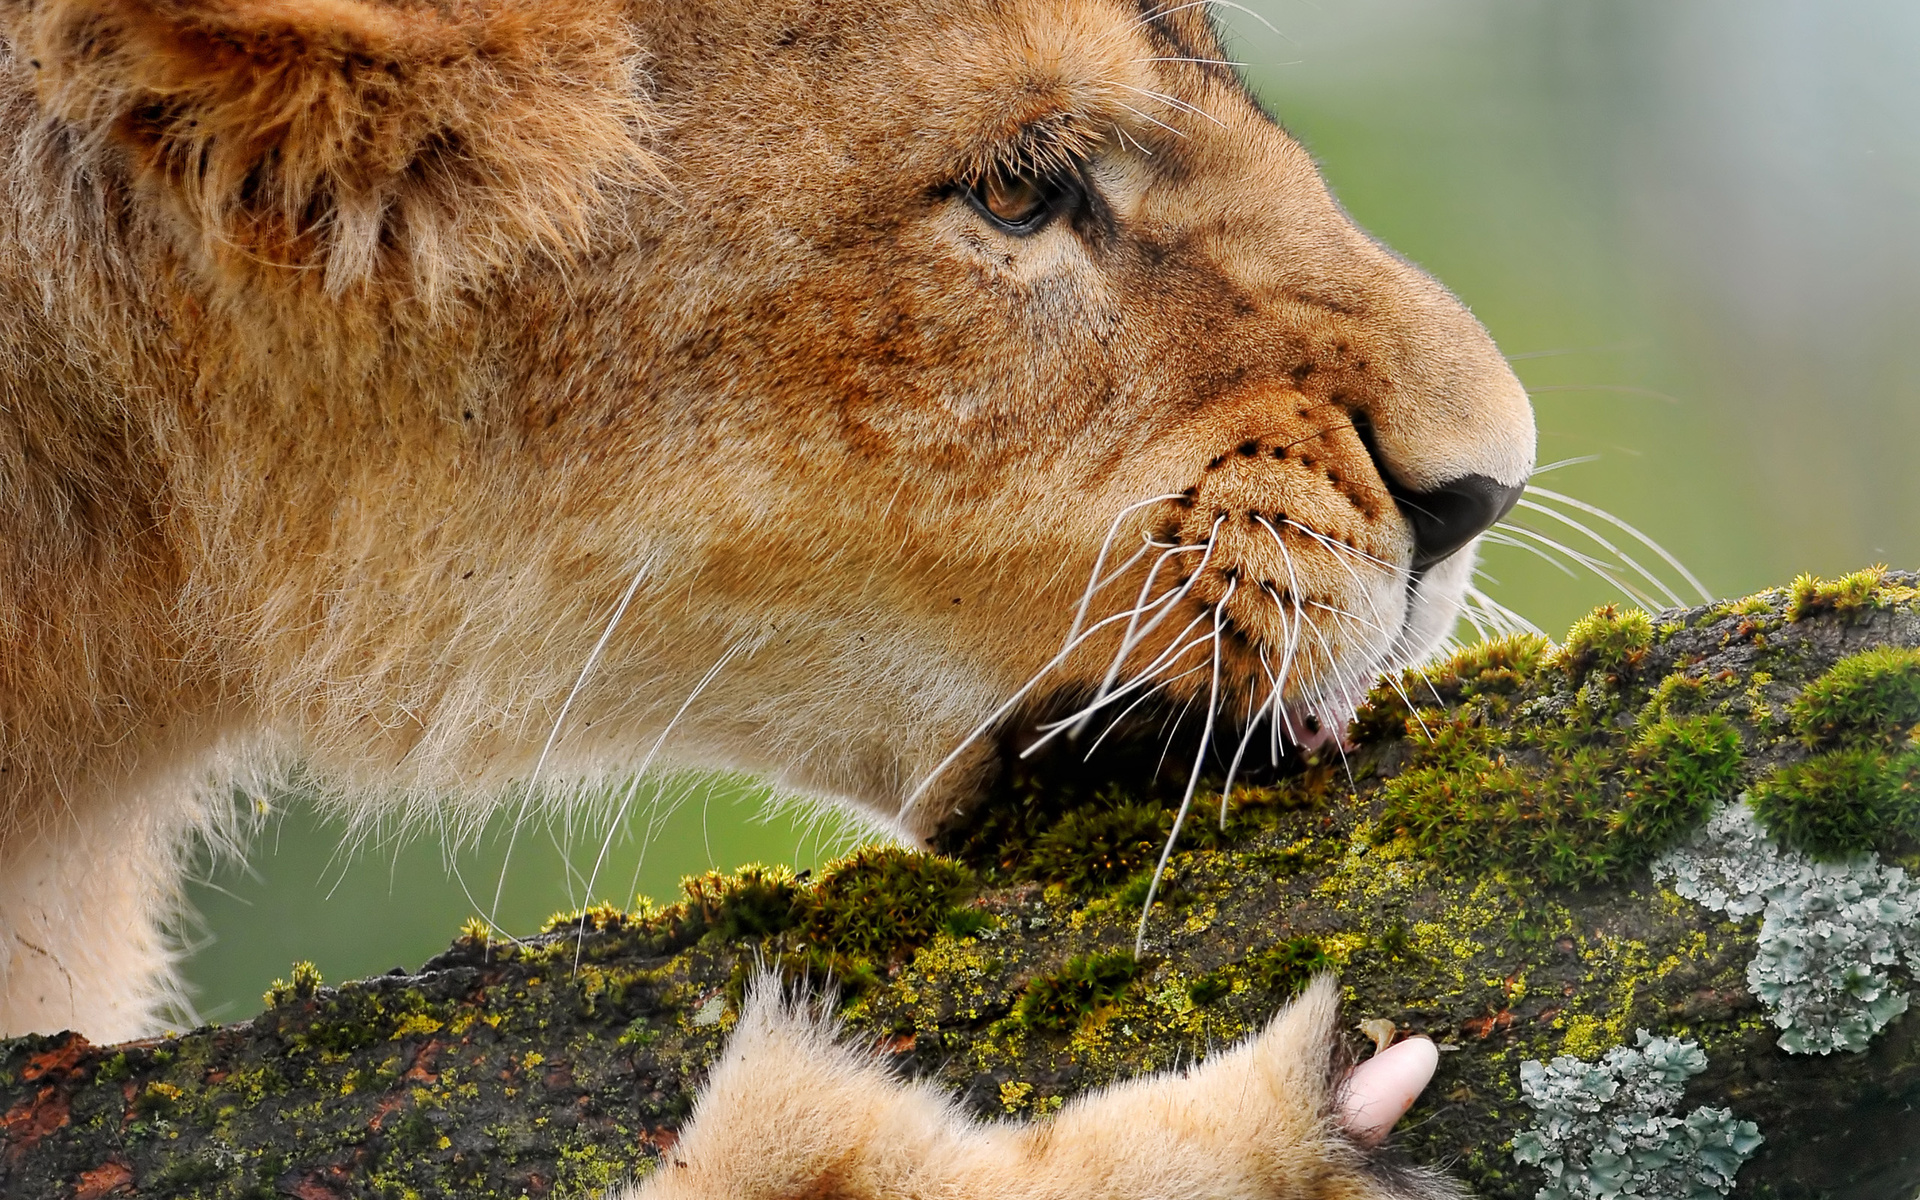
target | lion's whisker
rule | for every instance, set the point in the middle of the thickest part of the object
(1497, 536)
(1503, 617)
(1389, 677)
(553, 736)
(1007, 706)
(1239, 752)
(1331, 714)
(1125, 140)
(1160, 13)
(1158, 686)
(1629, 530)
(1193, 777)
(1659, 584)
(1340, 548)
(1586, 560)
(639, 772)
(1094, 582)
(1560, 463)
(1175, 101)
(1393, 637)
(1134, 635)
(1208, 62)
(1079, 718)
(1144, 678)
(1144, 117)
(1299, 613)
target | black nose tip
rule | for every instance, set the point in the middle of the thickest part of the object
(1453, 514)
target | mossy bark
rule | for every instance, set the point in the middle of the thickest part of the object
(563, 1064)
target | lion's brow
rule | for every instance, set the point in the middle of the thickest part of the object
(1058, 141)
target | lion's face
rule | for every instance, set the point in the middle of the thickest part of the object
(1013, 291)
(929, 366)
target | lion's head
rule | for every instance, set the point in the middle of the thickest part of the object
(521, 387)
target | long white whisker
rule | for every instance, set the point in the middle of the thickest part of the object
(1591, 563)
(1342, 548)
(1140, 605)
(1144, 117)
(553, 735)
(1176, 101)
(1631, 532)
(1497, 536)
(1174, 650)
(1193, 777)
(1054, 729)
(1329, 710)
(1158, 14)
(1388, 677)
(1659, 584)
(1470, 613)
(1078, 718)
(1094, 582)
(1135, 634)
(1379, 622)
(646, 763)
(1501, 613)
(1020, 694)
(1208, 62)
(1239, 752)
(1299, 610)
(1158, 687)
(1560, 463)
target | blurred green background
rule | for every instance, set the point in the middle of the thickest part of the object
(1693, 224)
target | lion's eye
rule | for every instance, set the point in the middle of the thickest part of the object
(1018, 204)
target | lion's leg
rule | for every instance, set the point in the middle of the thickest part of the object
(85, 898)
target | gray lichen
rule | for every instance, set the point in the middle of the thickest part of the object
(1828, 932)
(1605, 1130)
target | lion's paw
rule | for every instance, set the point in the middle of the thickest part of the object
(792, 1114)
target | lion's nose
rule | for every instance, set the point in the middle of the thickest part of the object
(1449, 516)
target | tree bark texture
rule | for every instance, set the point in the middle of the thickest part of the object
(1490, 862)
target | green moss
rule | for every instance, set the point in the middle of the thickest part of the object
(1682, 768)
(885, 901)
(1210, 987)
(157, 1099)
(968, 922)
(1873, 696)
(1574, 812)
(1843, 802)
(304, 984)
(1056, 1003)
(1488, 672)
(1677, 695)
(185, 1175)
(1607, 641)
(1092, 849)
(1504, 665)
(1848, 594)
(754, 902)
(1288, 967)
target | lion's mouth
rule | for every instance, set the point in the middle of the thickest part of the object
(1223, 728)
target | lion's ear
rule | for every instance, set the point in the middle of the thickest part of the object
(351, 143)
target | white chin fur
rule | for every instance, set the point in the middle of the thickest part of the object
(1434, 605)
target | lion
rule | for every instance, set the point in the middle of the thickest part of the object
(471, 400)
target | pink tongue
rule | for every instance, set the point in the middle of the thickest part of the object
(1379, 1091)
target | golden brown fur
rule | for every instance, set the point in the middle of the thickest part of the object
(384, 380)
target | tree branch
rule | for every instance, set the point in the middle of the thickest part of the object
(1514, 858)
